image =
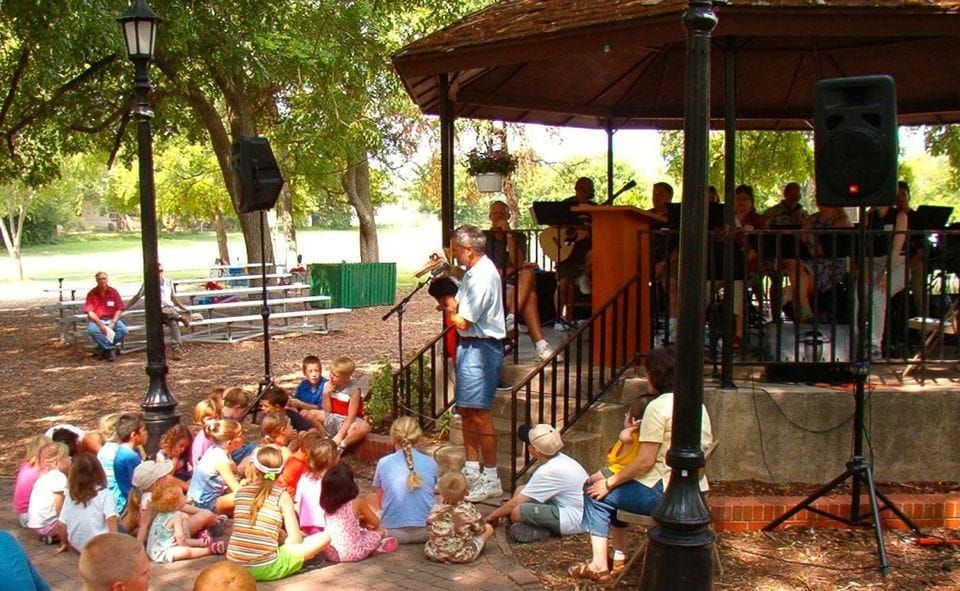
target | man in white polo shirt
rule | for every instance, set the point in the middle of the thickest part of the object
(478, 316)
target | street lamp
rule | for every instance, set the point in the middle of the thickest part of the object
(139, 25)
(679, 551)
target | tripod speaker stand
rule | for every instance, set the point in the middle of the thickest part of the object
(859, 471)
(267, 381)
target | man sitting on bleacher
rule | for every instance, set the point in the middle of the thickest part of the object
(103, 307)
(172, 312)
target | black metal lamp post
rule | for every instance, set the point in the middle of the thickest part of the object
(140, 31)
(679, 555)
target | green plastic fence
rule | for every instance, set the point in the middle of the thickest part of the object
(355, 285)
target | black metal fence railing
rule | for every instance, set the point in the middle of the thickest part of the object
(562, 388)
(795, 294)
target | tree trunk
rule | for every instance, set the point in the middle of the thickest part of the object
(12, 237)
(356, 183)
(285, 226)
(221, 229)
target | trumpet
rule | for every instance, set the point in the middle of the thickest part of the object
(436, 265)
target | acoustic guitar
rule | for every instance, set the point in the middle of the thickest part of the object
(558, 243)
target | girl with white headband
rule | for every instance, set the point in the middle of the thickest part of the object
(263, 507)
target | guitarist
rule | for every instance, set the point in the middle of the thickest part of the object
(574, 271)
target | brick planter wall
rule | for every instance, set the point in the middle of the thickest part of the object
(752, 513)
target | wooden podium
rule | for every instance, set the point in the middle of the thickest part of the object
(621, 248)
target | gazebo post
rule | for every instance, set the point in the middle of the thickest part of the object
(729, 184)
(609, 128)
(447, 136)
(679, 555)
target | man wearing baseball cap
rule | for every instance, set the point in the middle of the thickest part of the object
(552, 501)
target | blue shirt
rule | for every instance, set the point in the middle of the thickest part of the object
(124, 463)
(18, 573)
(309, 394)
(403, 507)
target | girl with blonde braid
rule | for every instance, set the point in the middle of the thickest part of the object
(404, 482)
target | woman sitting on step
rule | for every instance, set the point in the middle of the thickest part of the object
(639, 486)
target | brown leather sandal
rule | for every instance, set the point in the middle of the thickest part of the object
(582, 571)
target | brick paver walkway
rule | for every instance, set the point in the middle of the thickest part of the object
(404, 569)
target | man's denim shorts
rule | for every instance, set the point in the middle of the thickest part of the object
(479, 362)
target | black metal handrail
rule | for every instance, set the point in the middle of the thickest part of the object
(585, 359)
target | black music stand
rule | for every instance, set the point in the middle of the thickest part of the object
(557, 213)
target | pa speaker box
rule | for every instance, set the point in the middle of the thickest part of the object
(546, 285)
(855, 137)
(258, 173)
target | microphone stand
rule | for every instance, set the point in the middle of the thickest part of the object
(399, 309)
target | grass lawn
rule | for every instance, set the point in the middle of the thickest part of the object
(77, 257)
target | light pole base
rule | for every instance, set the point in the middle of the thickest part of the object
(676, 568)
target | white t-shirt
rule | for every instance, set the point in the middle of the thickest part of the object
(480, 301)
(657, 427)
(85, 522)
(560, 479)
(41, 512)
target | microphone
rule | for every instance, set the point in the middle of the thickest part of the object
(623, 189)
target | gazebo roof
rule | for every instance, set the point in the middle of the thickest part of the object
(582, 63)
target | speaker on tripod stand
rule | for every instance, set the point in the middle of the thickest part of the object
(259, 185)
(855, 139)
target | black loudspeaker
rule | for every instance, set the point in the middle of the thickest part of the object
(259, 175)
(855, 137)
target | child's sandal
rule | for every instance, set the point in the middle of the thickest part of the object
(218, 547)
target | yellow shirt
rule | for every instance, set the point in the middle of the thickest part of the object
(616, 462)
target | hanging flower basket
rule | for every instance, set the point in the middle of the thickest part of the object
(489, 182)
(490, 160)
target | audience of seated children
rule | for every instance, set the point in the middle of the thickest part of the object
(170, 538)
(89, 509)
(276, 399)
(321, 456)
(120, 459)
(225, 575)
(262, 509)
(625, 449)
(214, 479)
(27, 475)
(404, 481)
(112, 561)
(205, 414)
(343, 405)
(351, 523)
(308, 399)
(46, 498)
(456, 531)
(175, 446)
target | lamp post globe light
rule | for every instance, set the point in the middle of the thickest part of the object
(139, 25)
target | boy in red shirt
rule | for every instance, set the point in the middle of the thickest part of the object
(343, 405)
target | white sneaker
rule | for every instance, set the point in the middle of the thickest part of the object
(508, 321)
(486, 487)
(523, 328)
(544, 350)
(471, 477)
(561, 326)
(583, 282)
